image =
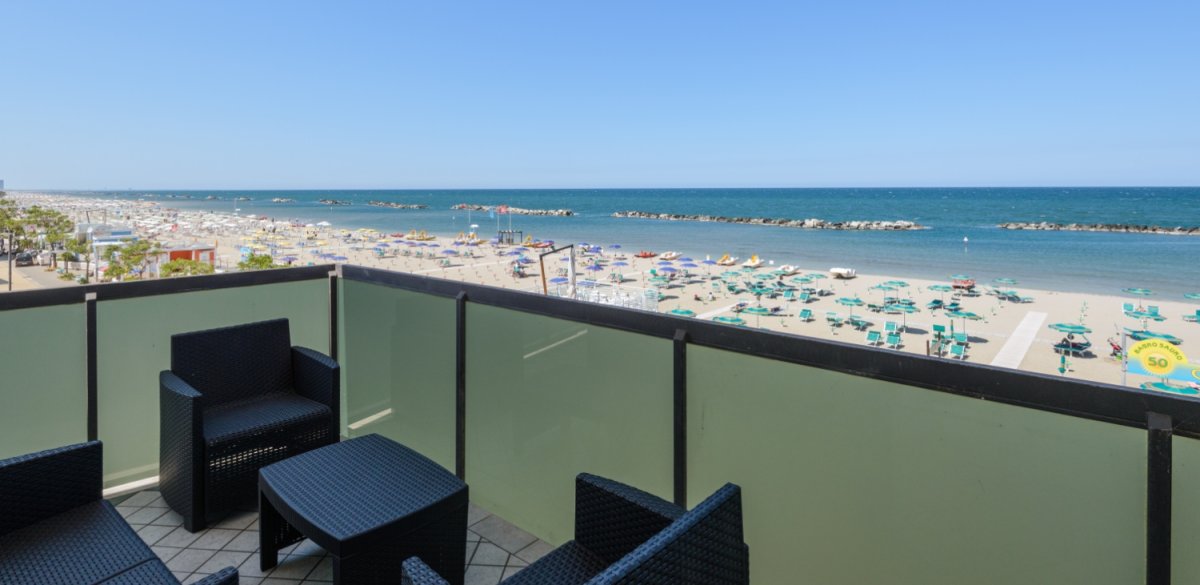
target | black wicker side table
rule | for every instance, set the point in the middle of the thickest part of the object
(371, 503)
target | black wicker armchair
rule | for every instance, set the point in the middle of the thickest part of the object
(236, 399)
(624, 535)
(56, 528)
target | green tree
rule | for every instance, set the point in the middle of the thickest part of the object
(257, 262)
(131, 259)
(79, 248)
(184, 267)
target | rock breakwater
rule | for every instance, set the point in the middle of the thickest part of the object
(513, 210)
(334, 202)
(1101, 227)
(394, 205)
(810, 223)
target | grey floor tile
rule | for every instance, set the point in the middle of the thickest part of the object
(157, 503)
(471, 546)
(170, 518)
(189, 560)
(222, 559)
(471, 536)
(510, 570)
(515, 561)
(141, 499)
(214, 539)
(307, 548)
(295, 567)
(535, 551)
(489, 554)
(274, 581)
(244, 580)
(165, 552)
(118, 500)
(179, 537)
(475, 514)
(145, 515)
(323, 571)
(250, 567)
(152, 534)
(253, 525)
(238, 521)
(483, 575)
(180, 575)
(503, 534)
(127, 511)
(245, 541)
(193, 578)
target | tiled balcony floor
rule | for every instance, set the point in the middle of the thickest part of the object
(495, 548)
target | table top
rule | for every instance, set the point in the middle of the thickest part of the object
(351, 490)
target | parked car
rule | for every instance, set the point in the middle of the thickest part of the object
(24, 259)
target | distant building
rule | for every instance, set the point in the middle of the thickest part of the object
(1, 184)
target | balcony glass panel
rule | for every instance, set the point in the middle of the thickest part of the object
(1185, 510)
(134, 345)
(398, 367)
(850, 480)
(43, 366)
(549, 398)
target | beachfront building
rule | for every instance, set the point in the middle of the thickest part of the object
(857, 465)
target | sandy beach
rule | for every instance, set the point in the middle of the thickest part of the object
(1007, 333)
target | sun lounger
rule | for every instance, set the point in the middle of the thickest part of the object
(891, 327)
(1193, 318)
(806, 315)
(961, 339)
(935, 304)
(858, 323)
(1127, 307)
(958, 351)
(789, 295)
(874, 338)
(893, 341)
(833, 319)
(805, 297)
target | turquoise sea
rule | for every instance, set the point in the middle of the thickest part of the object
(1087, 262)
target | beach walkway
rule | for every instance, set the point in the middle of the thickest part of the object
(1018, 343)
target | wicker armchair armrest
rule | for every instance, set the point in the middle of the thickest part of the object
(40, 485)
(226, 576)
(316, 376)
(612, 519)
(181, 442)
(415, 572)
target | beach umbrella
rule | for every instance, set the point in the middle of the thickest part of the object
(685, 259)
(615, 246)
(665, 263)
(850, 302)
(1147, 334)
(593, 267)
(960, 277)
(883, 286)
(965, 316)
(1071, 328)
(709, 262)
(683, 312)
(1195, 296)
(688, 265)
(1005, 281)
(729, 320)
(340, 258)
(667, 269)
(1141, 292)
(450, 252)
(802, 280)
(896, 283)
(758, 312)
(559, 280)
(620, 263)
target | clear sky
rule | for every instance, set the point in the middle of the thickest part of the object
(507, 94)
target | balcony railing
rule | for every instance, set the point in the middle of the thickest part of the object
(858, 465)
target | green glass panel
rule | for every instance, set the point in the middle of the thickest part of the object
(43, 396)
(1185, 510)
(550, 398)
(398, 366)
(134, 345)
(851, 480)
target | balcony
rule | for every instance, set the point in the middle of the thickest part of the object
(858, 465)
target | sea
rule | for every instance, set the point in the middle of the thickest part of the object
(963, 237)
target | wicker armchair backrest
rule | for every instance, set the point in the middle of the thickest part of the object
(704, 546)
(235, 363)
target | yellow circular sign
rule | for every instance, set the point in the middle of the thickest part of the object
(1159, 357)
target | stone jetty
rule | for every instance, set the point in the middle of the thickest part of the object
(1124, 228)
(513, 210)
(394, 205)
(282, 200)
(811, 223)
(334, 202)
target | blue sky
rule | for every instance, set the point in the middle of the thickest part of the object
(597, 94)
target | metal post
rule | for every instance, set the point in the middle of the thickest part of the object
(1158, 499)
(460, 386)
(680, 422)
(93, 412)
